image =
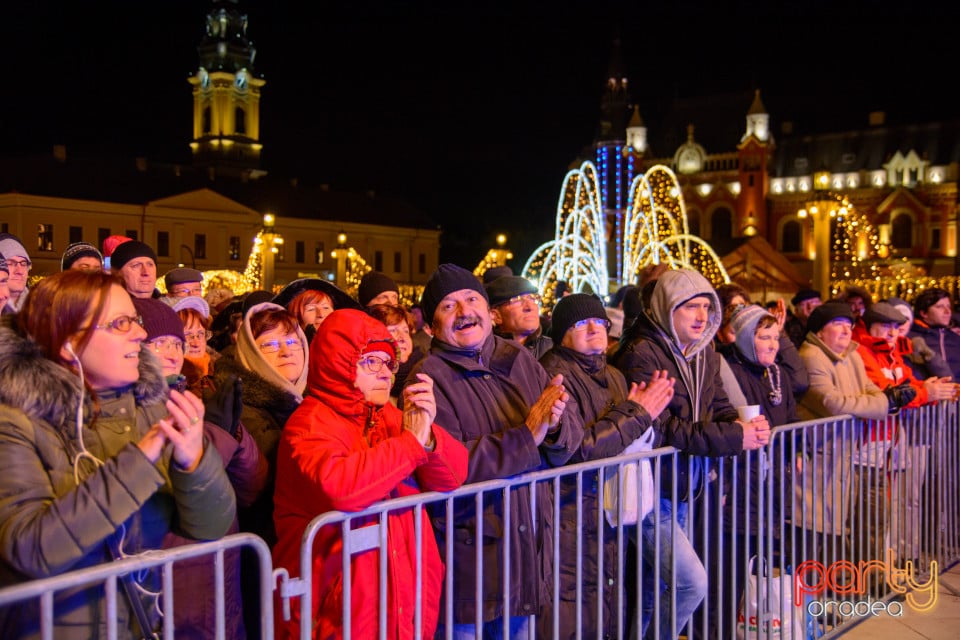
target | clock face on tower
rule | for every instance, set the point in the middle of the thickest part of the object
(241, 80)
(689, 161)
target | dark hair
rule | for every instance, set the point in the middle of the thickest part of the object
(65, 305)
(928, 298)
(270, 319)
(729, 291)
(390, 315)
(854, 291)
(730, 310)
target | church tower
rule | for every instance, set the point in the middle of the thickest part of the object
(617, 162)
(226, 93)
(754, 152)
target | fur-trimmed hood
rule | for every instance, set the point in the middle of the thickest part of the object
(47, 391)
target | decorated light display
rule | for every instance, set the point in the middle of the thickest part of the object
(654, 232)
(496, 257)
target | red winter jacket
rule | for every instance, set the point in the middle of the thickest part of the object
(338, 452)
(885, 367)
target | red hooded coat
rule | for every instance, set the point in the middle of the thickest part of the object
(338, 452)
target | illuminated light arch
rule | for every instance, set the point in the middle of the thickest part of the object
(578, 252)
(655, 231)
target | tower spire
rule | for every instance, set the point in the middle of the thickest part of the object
(615, 104)
(226, 92)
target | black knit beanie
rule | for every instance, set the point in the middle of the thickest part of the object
(572, 309)
(129, 250)
(444, 281)
(373, 284)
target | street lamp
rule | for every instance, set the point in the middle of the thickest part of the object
(821, 210)
(270, 244)
(341, 253)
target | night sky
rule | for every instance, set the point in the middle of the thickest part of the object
(471, 111)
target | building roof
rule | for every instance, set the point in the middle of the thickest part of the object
(137, 181)
(865, 149)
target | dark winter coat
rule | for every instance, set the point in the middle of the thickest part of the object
(944, 342)
(195, 584)
(598, 403)
(755, 383)
(266, 408)
(483, 398)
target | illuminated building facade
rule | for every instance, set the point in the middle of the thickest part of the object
(744, 187)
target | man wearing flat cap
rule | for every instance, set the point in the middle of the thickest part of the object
(885, 364)
(137, 263)
(803, 303)
(183, 281)
(494, 396)
(515, 311)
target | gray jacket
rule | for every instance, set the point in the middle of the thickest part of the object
(50, 523)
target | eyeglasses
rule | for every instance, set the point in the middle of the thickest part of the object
(272, 346)
(197, 335)
(581, 325)
(122, 324)
(373, 364)
(526, 297)
(167, 345)
(22, 264)
(189, 291)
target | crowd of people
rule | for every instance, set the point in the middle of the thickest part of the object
(134, 420)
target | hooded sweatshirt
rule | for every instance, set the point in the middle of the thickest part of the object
(699, 419)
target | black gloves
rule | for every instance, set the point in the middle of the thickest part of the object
(899, 396)
(224, 405)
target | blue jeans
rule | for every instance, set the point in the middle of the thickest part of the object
(493, 630)
(689, 579)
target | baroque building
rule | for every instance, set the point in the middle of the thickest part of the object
(747, 190)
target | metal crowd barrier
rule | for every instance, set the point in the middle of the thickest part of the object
(832, 522)
(44, 592)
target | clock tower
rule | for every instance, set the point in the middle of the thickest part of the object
(226, 93)
(753, 154)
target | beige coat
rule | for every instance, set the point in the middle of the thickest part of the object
(839, 385)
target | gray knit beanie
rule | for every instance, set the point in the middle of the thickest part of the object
(744, 324)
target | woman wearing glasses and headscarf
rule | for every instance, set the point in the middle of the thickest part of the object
(270, 359)
(346, 448)
(100, 459)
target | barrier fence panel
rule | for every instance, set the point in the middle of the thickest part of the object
(833, 521)
(786, 541)
(39, 603)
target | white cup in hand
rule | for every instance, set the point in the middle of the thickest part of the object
(748, 412)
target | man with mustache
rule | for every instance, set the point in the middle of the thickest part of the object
(494, 396)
